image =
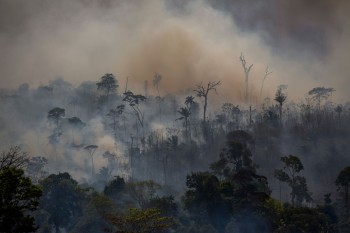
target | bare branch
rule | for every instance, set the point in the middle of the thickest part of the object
(202, 91)
(15, 158)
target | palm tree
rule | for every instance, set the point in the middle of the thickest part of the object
(280, 97)
(185, 114)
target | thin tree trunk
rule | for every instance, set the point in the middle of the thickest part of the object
(92, 166)
(205, 109)
(246, 89)
(347, 202)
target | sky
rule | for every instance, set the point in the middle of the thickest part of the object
(304, 43)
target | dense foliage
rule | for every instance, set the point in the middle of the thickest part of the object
(121, 161)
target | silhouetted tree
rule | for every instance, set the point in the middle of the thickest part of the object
(319, 93)
(280, 98)
(108, 83)
(14, 158)
(134, 102)
(18, 199)
(62, 199)
(339, 110)
(289, 174)
(185, 114)
(208, 200)
(343, 183)
(114, 187)
(115, 114)
(93, 219)
(156, 79)
(203, 91)
(56, 115)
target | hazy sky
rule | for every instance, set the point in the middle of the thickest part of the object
(305, 43)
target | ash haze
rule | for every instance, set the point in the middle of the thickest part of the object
(305, 44)
(146, 104)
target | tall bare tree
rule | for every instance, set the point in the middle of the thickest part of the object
(91, 150)
(267, 73)
(157, 78)
(246, 76)
(203, 91)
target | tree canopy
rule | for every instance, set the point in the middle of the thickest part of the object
(18, 199)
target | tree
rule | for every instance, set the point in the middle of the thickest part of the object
(62, 199)
(165, 204)
(115, 114)
(289, 174)
(280, 98)
(267, 73)
(304, 219)
(112, 162)
(56, 115)
(134, 102)
(185, 114)
(203, 91)
(91, 150)
(319, 93)
(18, 199)
(14, 158)
(236, 167)
(156, 80)
(343, 183)
(34, 168)
(142, 192)
(108, 83)
(207, 199)
(171, 144)
(114, 187)
(339, 110)
(235, 156)
(246, 76)
(189, 101)
(76, 124)
(94, 211)
(139, 221)
(232, 113)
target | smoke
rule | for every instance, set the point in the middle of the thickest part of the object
(304, 43)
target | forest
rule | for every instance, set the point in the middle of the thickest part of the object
(174, 116)
(111, 159)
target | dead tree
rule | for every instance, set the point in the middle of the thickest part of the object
(156, 80)
(14, 158)
(91, 150)
(202, 91)
(267, 73)
(246, 76)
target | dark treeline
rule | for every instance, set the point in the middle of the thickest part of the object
(107, 158)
